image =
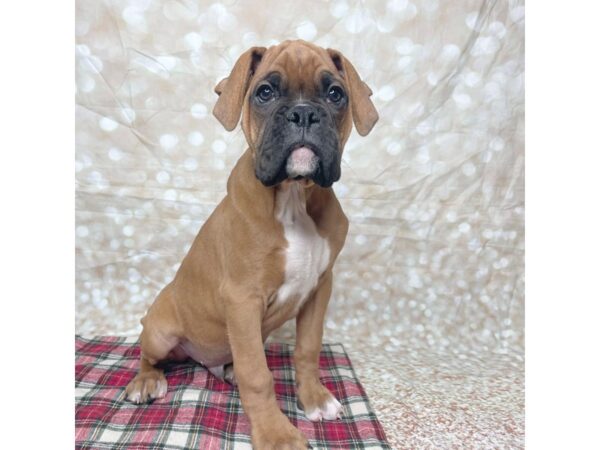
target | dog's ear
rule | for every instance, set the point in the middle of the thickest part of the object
(232, 90)
(364, 113)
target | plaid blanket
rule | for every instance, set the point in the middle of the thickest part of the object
(202, 412)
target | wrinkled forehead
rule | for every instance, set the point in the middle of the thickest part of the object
(300, 67)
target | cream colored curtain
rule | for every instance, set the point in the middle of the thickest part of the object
(432, 275)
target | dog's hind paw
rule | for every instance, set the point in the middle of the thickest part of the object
(224, 373)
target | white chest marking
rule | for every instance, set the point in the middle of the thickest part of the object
(307, 254)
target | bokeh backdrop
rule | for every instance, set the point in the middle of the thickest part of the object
(429, 290)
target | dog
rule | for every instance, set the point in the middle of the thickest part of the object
(265, 255)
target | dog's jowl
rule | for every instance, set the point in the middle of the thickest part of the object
(266, 253)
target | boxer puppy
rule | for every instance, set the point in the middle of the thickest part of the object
(266, 253)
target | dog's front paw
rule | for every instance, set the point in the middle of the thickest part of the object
(146, 386)
(318, 403)
(277, 433)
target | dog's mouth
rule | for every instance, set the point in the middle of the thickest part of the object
(302, 162)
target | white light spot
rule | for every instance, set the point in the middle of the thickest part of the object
(501, 264)
(431, 5)
(163, 177)
(306, 30)
(193, 41)
(133, 288)
(170, 195)
(432, 79)
(227, 22)
(219, 147)
(340, 189)
(497, 144)
(450, 52)
(86, 84)
(462, 100)
(128, 230)
(360, 239)
(485, 45)
(386, 24)
(397, 6)
(134, 17)
(517, 14)
(92, 63)
(83, 50)
(339, 9)
(405, 62)
(250, 38)
(198, 110)
(464, 227)
(356, 21)
(82, 231)
(472, 79)
(386, 93)
(108, 124)
(404, 46)
(219, 164)
(195, 138)
(471, 20)
(394, 148)
(128, 114)
(167, 62)
(168, 141)
(424, 128)
(415, 281)
(423, 155)
(497, 29)
(469, 169)
(115, 153)
(190, 164)
(492, 91)
(486, 157)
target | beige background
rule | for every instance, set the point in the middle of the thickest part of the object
(428, 295)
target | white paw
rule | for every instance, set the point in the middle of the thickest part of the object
(145, 390)
(331, 410)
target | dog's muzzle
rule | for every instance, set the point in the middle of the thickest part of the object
(300, 142)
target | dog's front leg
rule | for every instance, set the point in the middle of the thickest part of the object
(271, 429)
(315, 399)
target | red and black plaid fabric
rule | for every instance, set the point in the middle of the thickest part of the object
(202, 412)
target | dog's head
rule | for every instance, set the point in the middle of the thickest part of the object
(297, 103)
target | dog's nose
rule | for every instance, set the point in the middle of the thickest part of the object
(303, 115)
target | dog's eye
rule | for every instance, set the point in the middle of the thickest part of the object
(335, 94)
(265, 93)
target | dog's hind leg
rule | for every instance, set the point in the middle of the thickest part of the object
(159, 337)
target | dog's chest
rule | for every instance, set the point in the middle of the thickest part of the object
(307, 253)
